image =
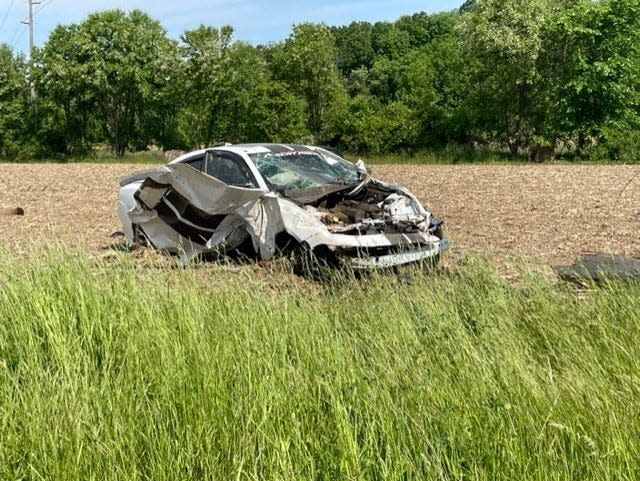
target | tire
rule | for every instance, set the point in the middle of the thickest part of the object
(311, 264)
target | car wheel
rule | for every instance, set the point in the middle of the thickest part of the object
(311, 264)
(139, 237)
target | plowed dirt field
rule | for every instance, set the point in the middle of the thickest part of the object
(546, 213)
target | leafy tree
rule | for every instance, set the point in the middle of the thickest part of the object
(66, 102)
(228, 93)
(130, 62)
(112, 68)
(468, 6)
(412, 73)
(370, 126)
(422, 28)
(503, 41)
(384, 78)
(13, 94)
(595, 85)
(244, 91)
(353, 46)
(389, 41)
(279, 115)
(358, 82)
(416, 81)
(451, 84)
(306, 64)
(202, 50)
(510, 71)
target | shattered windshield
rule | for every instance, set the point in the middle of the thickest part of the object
(295, 170)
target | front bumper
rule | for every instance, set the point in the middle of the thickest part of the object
(400, 258)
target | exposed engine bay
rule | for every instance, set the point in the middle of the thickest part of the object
(371, 209)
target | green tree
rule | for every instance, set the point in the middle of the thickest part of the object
(595, 87)
(13, 95)
(306, 63)
(369, 126)
(202, 50)
(228, 94)
(451, 84)
(66, 103)
(389, 41)
(246, 96)
(422, 29)
(417, 81)
(503, 41)
(354, 49)
(114, 69)
(279, 115)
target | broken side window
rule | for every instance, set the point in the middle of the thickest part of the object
(229, 169)
(196, 163)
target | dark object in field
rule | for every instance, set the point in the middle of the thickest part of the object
(12, 211)
(540, 153)
(600, 267)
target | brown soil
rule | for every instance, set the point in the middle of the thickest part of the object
(548, 213)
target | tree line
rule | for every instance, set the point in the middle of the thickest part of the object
(499, 74)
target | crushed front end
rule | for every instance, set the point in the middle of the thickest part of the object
(374, 225)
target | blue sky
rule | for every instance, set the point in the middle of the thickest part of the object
(253, 21)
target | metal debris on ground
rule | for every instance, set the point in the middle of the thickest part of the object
(11, 211)
(599, 267)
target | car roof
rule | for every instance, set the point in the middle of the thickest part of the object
(249, 148)
(276, 148)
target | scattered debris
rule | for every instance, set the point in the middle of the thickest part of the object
(11, 211)
(600, 267)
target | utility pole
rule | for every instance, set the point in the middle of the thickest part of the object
(30, 23)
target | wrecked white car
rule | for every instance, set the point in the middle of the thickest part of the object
(302, 201)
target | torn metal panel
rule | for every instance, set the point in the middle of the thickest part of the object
(263, 223)
(203, 191)
(182, 209)
(600, 267)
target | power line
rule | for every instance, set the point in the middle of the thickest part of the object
(24, 30)
(42, 6)
(14, 34)
(6, 14)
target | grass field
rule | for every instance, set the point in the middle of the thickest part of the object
(116, 365)
(109, 370)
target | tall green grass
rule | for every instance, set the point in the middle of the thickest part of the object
(114, 370)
